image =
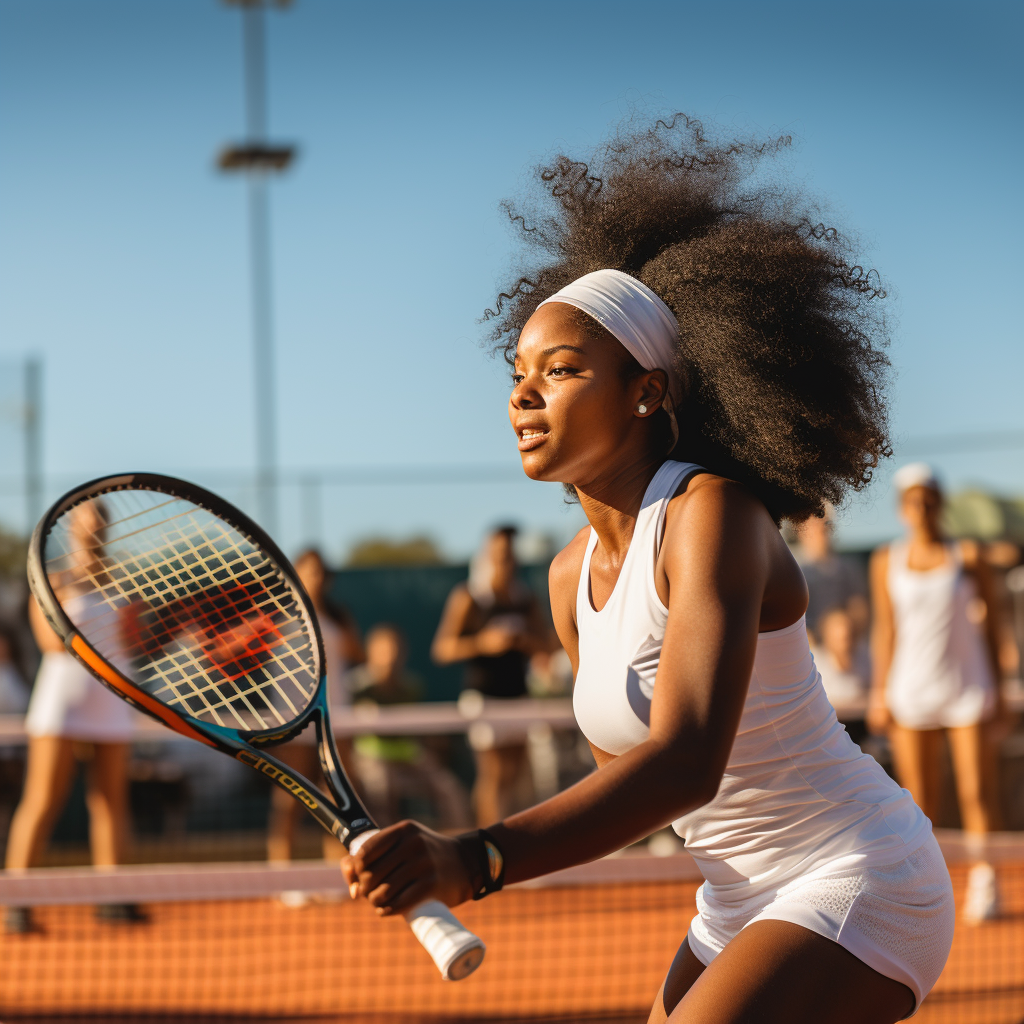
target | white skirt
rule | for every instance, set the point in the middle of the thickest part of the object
(68, 701)
(896, 918)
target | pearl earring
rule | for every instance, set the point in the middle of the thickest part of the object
(641, 409)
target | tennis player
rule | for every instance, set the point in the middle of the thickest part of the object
(696, 361)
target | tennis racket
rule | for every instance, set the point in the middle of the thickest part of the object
(186, 609)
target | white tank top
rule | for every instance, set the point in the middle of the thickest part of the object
(941, 676)
(797, 792)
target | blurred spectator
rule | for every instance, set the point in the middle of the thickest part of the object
(493, 623)
(1015, 587)
(13, 691)
(72, 715)
(390, 767)
(342, 647)
(833, 580)
(549, 674)
(845, 666)
(1003, 557)
(13, 701)
(936, 658)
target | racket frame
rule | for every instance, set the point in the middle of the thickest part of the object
(343, 816)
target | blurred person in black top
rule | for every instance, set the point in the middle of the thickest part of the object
(493, 623)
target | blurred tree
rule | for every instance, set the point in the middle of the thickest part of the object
(13, 551)
(384, 551)
(984, 516)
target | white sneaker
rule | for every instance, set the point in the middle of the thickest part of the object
(982, 900)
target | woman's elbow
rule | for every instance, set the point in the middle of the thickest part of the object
(443, 651)
(701, 779)
(705, 788)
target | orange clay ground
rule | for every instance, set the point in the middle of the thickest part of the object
(586, 953)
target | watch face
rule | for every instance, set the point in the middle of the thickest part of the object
(495, 862)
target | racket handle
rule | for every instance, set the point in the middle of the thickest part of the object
(456, 950)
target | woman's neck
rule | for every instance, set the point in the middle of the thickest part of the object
(612, 504)
(926, 537)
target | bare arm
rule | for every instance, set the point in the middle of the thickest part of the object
(883, 640)
(975, 563)
(450, 645)
(42, 632)
(539, 637)
(718, 579)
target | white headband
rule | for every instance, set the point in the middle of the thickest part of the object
(636, 317)
(915, 474)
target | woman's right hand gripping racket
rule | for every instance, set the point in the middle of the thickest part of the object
(185, 608)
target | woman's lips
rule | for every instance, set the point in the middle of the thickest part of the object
(531, 439)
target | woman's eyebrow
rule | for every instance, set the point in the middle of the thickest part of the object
(560, 348)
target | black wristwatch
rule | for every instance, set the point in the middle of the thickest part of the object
(484, 862)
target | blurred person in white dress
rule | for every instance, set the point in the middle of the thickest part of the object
(936, 642)
(72, 716)
(343, 647)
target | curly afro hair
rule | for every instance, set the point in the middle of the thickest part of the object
(781, 332)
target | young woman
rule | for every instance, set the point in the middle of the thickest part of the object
(936, 666)
(697, 361)
(70, 713)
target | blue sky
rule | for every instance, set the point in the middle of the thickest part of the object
(123, 252)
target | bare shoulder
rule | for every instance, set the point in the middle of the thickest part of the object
(459, 598)
(715, 503)
(566, 565)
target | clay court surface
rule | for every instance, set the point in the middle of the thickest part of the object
(582, 952)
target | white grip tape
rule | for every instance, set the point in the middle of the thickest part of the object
(456, 951)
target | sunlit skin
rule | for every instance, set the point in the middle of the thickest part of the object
(725, 574)
(918, 753)
(51, 759)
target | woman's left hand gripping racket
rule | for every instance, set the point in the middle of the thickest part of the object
(184, 607)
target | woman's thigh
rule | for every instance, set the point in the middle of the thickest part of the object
(775, 972)
(975, 765)
(108, 772)
(685, 970)
(917, 757)
(50, 770)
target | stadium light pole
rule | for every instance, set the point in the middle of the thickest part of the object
(258, 159)
(33, 425)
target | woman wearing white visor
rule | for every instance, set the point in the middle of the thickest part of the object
(695, 361)
(936, 663)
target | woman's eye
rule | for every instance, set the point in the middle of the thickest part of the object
(517, 378)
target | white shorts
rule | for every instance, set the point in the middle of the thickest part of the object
(897, 918)
(67, 701)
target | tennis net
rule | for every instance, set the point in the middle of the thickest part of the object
(247, 942)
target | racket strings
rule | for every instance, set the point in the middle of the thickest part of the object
(188, 608)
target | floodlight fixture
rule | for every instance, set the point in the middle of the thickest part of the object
(255, 156)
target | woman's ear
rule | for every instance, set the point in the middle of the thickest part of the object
(651, 388)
